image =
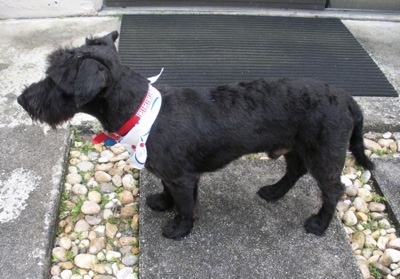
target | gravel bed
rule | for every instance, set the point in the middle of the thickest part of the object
(97, 233)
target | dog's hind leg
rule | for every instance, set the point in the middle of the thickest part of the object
(328, 179)
(184, 193)
(295, 168)
(160, 201)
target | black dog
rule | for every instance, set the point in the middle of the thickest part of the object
(202, 130)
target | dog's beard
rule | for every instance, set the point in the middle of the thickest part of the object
(49, 108)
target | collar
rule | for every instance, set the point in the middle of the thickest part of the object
(110, 139)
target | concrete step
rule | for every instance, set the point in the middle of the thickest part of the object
(240, 235)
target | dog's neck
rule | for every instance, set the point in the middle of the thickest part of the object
(115, 107)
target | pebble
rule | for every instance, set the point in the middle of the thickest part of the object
(85, 166)
(364, 269)
(366, 176)
(66, 274)
(90, 208)
(394, 243)
(126, 197)
(382, 242)
(96, 245)
(365, 194)
(59, 253)
(128, 182)
(346, 181)
(92, 220)
(372, 145)
(65, 243)
(79, 189)
(393, 254)
(361, 205)
(111, 230)
(349, 218)
(102, 176)
(73, 178)
(85, 261)
(127, 240)
(376, 207)
(129, 260)
(94, 196)
(359, 238)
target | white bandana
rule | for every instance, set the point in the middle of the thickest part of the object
(135, 140)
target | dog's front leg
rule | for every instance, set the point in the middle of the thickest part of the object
(160, 201)
(184, 193)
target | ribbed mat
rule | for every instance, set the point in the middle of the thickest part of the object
(209, 50)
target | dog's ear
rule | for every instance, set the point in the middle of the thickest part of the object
(107, 40)
(91, 79)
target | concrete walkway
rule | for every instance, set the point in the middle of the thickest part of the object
(272, 244)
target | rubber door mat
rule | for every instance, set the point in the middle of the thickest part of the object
(210, 50)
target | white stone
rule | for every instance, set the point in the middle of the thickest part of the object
(79, 189)
(382, 242)
(85, 261)
(100, 230)
(81, 226)
(73, 178)
(122, 156)
(370, 241)
(65, 243)
(387, 135)
(85, 166)
(94, 196)
(364, 269)
(371, 145)
(125, 273)
(385, 142)
(107, 154)
(92, 220)
(104, 167)
(102, 176)
(128, 182)
(396, 272)
(107, 213)
(376, 207)
(346, 181)
(349, 218)
(393, 254)
(112, 255)
(84, 243)
(96, 245)
(100, 256)
(90, 207)
(72, 169)
(116, 179)
(118, 148)
(59, 253)
(394, 243)
(365, 194)
(360, 204)
(384, 224)
(66, 274)
(366, 175)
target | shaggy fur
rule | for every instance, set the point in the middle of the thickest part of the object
(202, 129)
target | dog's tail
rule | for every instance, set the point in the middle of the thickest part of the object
(357, 147)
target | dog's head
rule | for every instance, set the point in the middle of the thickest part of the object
(73, 79)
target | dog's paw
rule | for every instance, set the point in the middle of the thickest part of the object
(271, 193)
(315, 226)
(159, 202)
(178, 228)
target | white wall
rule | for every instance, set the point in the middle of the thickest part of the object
(48, 8)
